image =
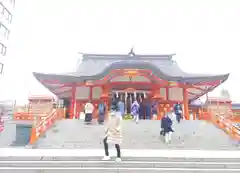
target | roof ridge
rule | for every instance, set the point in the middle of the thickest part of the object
(127, 56)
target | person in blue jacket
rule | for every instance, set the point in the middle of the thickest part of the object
(147, 105)
(101, 112)
(178, 112)
(121, 106)
(166, 128)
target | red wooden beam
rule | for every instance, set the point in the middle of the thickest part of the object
(218, 82)
(57, 93)
(55, 82)
(62, 86)
(121, 72)
(191, 93)
(131, 83)
(197, 87)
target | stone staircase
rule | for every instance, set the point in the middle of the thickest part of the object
(192, 134)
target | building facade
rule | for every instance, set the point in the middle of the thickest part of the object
(129, 76)
(6, 9)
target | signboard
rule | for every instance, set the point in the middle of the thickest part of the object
(130, 90)
(130, 72)
(89, 83)
(171, 83)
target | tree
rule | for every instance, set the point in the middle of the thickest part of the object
(225, 94)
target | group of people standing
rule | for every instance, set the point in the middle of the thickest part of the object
(140, 109)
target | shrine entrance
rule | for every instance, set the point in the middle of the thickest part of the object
(128, 96)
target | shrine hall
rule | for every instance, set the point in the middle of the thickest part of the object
(129, 76)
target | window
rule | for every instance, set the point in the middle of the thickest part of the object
(3, 49)
(1, 8)
(1, 68)
(4, 12)
(4, 31)
(12, 2)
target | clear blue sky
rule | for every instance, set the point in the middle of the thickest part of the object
(47, 34)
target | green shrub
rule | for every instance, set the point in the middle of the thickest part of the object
(127, 117)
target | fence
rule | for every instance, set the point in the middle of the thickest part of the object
(227, 126)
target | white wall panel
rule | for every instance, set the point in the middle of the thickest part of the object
(163, 93)
(82, 92)
(176, 94)
(121, 79)
(140, 79)
(97, 92)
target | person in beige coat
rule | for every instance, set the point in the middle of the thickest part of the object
(113, 133)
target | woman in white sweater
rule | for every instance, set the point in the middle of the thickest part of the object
(113, 133)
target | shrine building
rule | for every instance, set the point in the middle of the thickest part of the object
(129, 76)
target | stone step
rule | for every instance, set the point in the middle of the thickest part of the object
(133, 159)
(124, 166)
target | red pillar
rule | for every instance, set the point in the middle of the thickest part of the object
(167, 94)
(90, 93)
(104, 97)
(157, 97)
(73, 102)
(185, 103)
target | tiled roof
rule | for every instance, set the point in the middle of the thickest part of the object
(96, 66)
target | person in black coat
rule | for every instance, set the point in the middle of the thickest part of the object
(178, 112)
(166, 128)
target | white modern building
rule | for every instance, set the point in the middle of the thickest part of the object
(6, 8)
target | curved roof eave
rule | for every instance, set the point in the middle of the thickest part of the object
(55, 77)
(67, 78)
(116, 65)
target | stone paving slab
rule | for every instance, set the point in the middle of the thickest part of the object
(187, 135)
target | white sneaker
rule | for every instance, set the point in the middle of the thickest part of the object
(105, 158)
(118, 159)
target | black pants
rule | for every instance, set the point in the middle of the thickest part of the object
(101, 118)
(117, 146)
(88, 118)
(178, 117)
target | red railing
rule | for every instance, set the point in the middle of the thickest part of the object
(42, 126)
